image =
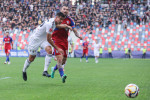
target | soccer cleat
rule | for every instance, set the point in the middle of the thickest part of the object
(24, 76)
(5, 62)
(87, 61)
(8, 62)
(52, 72)
(64, 78)
(45, 73)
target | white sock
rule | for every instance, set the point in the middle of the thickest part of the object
(26, 65)
(63, 66)
(95, 58)
(47, 61)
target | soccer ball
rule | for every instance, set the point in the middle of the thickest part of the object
(131, 90)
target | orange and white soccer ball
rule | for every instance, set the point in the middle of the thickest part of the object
(131, 90)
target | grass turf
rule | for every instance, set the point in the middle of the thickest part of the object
(86, 81)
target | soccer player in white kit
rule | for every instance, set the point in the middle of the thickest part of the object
(42, 38)
(96, 51)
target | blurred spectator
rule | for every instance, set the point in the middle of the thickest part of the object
(26, 14)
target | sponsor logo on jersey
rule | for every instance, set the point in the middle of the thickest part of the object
(67, 22)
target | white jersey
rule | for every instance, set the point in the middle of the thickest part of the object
(41, 31)
(96, 47)
(39, 36)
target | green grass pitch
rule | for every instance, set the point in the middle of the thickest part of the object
(86, 81)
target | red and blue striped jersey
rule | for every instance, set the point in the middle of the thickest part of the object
(7, 41)
(61, 35)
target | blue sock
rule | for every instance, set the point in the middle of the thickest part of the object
(61, 72)
(86, 57)
(7, 58)
(81, 57)
(55, 68)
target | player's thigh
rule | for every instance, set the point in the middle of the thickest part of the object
(32, 50)
(63, 47)
(33, 46)
(47, 47)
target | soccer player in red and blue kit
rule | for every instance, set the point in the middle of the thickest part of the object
(85, 50)
(8, 45)
(60, 38)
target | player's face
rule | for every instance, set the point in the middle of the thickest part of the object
(7, 34)
(65, 10)
(59, 19)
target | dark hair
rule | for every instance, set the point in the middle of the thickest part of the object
(60, 14)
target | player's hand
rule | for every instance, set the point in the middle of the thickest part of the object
(60, 51)
(69, 27)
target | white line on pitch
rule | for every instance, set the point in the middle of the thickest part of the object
(4, 78)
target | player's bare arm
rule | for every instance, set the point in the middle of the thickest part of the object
(49, 39)
(63, 26)
(77, 34)
(71, 48)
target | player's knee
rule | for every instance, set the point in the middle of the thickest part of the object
(59, 65)
(64, 61)
(31, 59)
(48, 50)
(59, 60)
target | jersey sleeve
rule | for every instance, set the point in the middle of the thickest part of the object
(3, 39)
(82, 44)
(72, 24)
(11, 40)
(49, 28)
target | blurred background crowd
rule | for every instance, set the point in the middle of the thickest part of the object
(27, 14)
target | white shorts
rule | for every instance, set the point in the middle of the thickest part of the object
(96, 53)
(32, 48)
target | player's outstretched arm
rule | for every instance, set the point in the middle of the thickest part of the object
(49, 39)
(77, 34)
(63, 26)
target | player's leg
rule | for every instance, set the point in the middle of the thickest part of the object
(64, 61)
(32, 54)
(97, 56)
(6, 51)
(27, 64)
(59, 65)
(48, 58)
(96, 59)
(45, 45)
(82, 56)
(86, 56)
(8, 60)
